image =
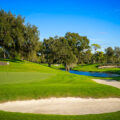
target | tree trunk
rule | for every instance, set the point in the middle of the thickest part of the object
(49, 64)
(4, 56)
(67, 68)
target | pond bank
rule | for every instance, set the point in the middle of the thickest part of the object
(94, 74)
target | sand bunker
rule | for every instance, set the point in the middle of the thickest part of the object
(67, 106)
(109, 66)
(64, 106)
(113, 83)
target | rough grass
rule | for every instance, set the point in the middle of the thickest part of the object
(21, 116)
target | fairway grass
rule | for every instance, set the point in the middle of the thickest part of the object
(34, 81)
(24, 80)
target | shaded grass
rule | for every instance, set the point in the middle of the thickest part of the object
(21, 116)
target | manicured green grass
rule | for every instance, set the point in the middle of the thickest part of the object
(25, 66)
(93, 67)
(21, 116)
(23, 77)
(31, 80)
(25, 80)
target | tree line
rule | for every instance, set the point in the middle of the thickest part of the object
(17, 40)
(21, 41)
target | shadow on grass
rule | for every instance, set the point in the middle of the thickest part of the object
(114, 71)
(11, 60)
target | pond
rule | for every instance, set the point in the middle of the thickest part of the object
(94, 74)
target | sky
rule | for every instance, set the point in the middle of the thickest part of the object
(99, 20)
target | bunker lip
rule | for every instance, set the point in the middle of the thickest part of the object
(64, 106)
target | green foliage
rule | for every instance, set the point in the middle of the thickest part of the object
(21, 41)
(109, 55)
(17, 39)
(77, 43)
(96, 46)
(98, 57)
(65, 50)
(117, 54)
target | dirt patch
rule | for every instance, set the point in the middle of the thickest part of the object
(4, 63)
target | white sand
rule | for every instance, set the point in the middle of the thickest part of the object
(64, 106)
(113, 83)
(110, 66)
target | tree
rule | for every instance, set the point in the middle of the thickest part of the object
(109, 52)
(117, 54)
(49, 50)
(78, 43)
(87, 56)
(31, 43)
(17, 39)
(63, 53)
(96, 46)
(100, 57)
(58, 50)
(11, 32)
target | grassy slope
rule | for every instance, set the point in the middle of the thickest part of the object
(30, 80)
(25, 80)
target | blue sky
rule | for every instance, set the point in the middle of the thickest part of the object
(99, 20)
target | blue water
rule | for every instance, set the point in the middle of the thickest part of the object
(95, 74)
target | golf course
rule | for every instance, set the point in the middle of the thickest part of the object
(23, 80)
(59, 59)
